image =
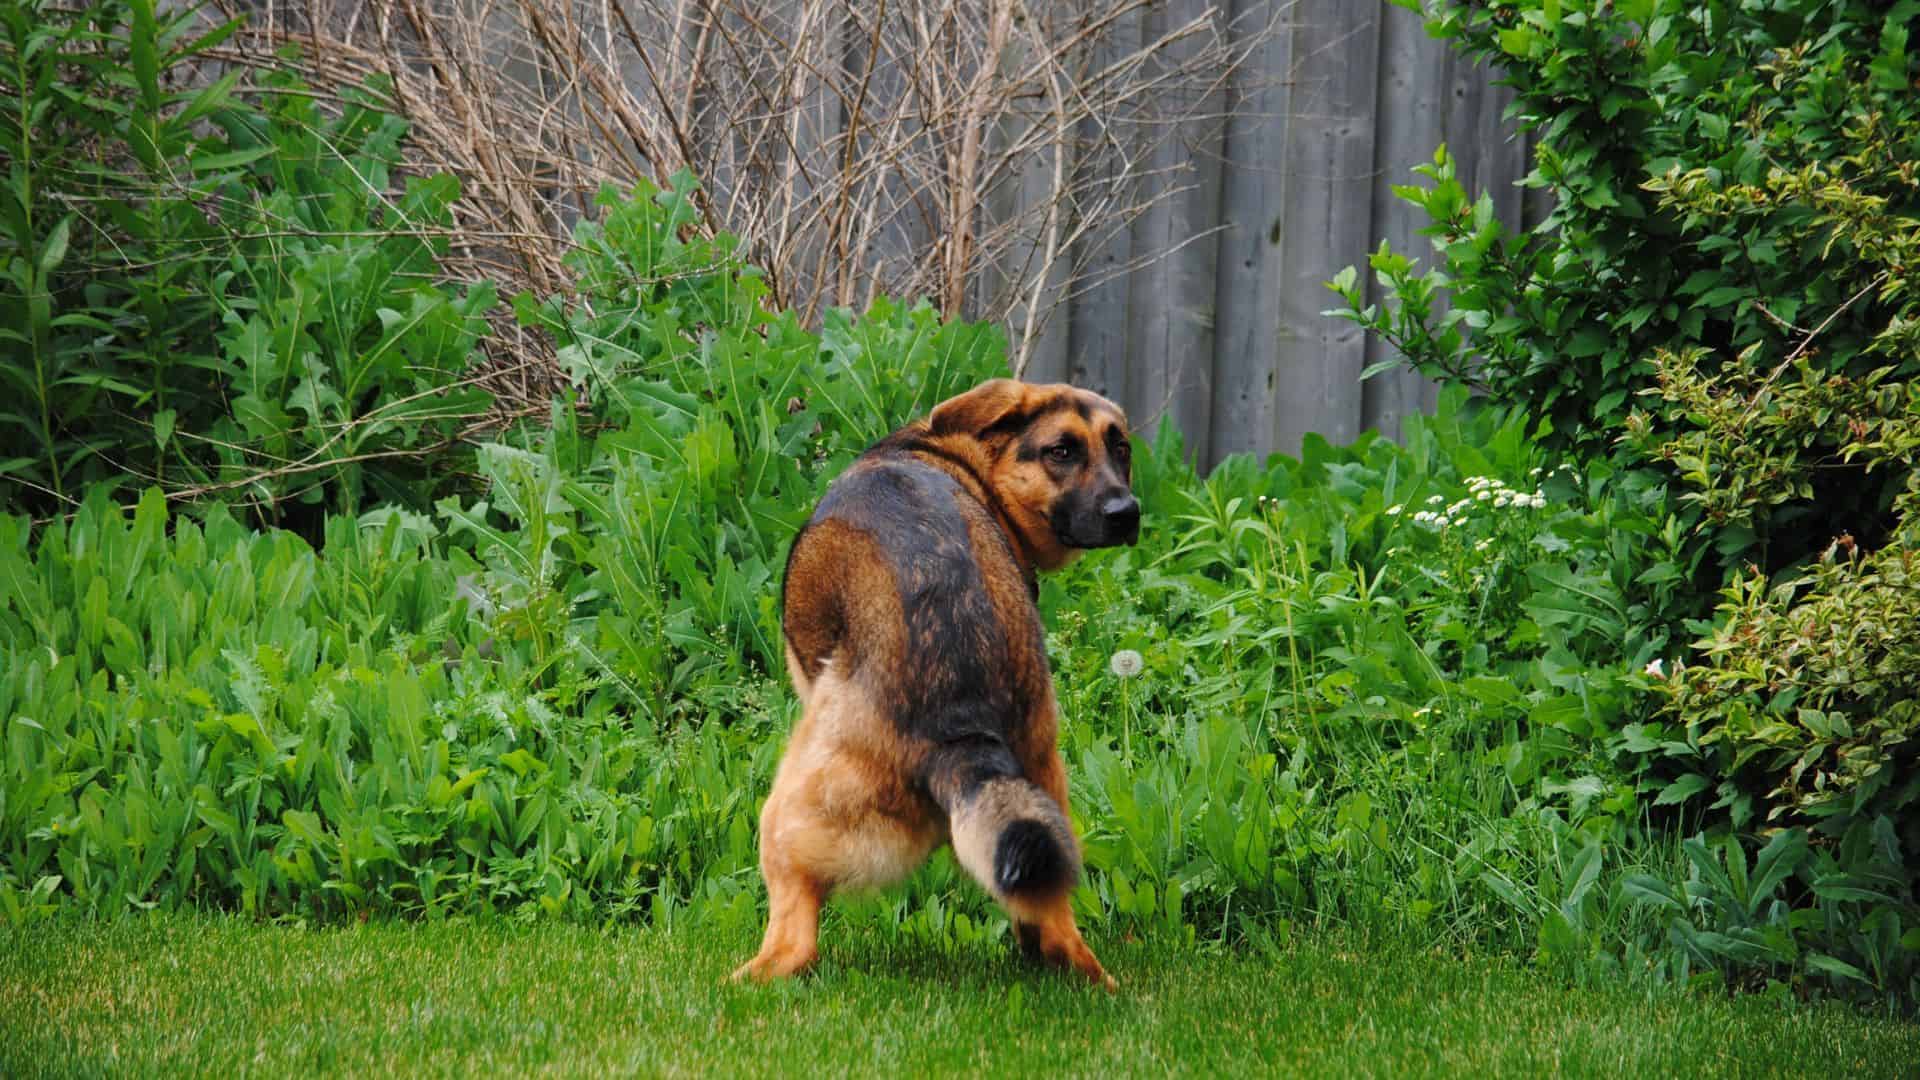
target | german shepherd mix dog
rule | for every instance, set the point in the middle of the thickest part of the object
(915, 646)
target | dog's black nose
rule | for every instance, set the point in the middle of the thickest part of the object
(1122, 516)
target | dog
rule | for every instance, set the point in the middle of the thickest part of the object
(914, 644)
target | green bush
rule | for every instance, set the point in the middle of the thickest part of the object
(1722, 299)
(204, 714)
(219, 294)
(1429, 654)
(1626, 99)
(557, 697)
(1341, 716)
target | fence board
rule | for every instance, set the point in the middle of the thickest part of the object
(1096, 314)
(1415, 86)
(1326, 217)
(1170, 329)
(1248, 270)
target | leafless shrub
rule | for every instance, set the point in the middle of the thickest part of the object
(962, 150)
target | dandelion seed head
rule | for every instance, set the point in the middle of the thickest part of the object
(1126, 663)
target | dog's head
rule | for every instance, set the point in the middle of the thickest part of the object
(1056, 457)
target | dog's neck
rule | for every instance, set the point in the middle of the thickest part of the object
(971, 467)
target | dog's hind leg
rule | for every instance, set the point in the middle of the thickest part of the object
(838, 817)
(1047, 933)
(1045, 927)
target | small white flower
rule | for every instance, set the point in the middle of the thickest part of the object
(1482, 545)
(1538, 500)
(1535, 471)
(1657, 668)
(1436, 500)
(1502, 499)
(1126, 663)
(1394, 510)
(1484, 495)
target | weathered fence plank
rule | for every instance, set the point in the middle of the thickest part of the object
(1417, 91)
(1248, 271)
(1096, 313)
(1326, 217)
(1170, 318)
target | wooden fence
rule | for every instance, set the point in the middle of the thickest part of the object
(999, 156)
(1224, 335)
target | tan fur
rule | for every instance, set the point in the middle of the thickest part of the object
(976, 827)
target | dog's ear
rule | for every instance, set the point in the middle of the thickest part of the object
(993, 404)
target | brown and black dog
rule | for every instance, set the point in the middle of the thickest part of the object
(913, 641)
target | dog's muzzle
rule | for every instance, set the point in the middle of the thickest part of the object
(1120, 520)
(1104, 521)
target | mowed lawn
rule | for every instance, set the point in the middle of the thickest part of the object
(205, 996)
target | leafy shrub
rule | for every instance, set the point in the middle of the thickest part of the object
(555, 698)
(220, 296)
(341, 354)
(1723, 296)
(93, 119)
(204, 714)
(720, 424)
(1369, 693)
(1627, 99)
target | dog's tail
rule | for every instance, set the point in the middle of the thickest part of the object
(1008, 833)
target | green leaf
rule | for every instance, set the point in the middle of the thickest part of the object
(143, 43)
(1683, 789)
(54, 252)
(1839, 969)
(1647, 889)
(1776, 862)
(228, 159)
(1584, 872)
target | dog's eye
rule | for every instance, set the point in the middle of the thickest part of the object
(1061, 452)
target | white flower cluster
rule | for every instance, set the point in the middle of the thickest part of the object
(1488, 489)
(1480, 489)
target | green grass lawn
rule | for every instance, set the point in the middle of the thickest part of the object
(216, 996)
